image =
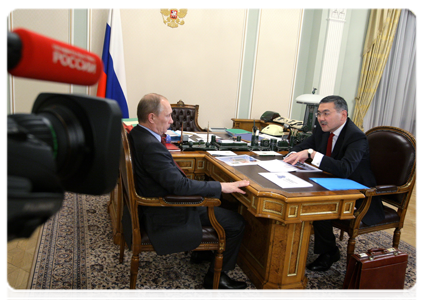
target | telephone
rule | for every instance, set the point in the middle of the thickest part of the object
(273, 129)
(290, 122)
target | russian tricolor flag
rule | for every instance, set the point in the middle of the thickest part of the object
(112, 83)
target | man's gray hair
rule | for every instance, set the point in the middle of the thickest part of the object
(148, 104)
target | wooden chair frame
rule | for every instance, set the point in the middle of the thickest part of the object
(355, 227)
(132, 200)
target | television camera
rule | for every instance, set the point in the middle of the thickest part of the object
(67, 143)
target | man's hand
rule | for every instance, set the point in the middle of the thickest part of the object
(293, 158)
(234, 187)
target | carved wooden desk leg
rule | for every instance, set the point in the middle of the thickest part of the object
(274, 255)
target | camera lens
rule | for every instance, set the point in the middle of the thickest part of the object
(71, 136)
(85, 133)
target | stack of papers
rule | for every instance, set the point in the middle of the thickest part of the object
(277, 165)
(130, 121)
(221, 153)
(239, 160)
(196, 137)
(279, 172)
(267, 153)
(174, 137)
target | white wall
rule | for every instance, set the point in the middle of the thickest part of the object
(199, 62)
(276, 61)
(52, 23)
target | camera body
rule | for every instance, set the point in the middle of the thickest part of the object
(68, 143)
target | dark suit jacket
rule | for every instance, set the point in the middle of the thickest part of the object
(349, 159)
(156, 174)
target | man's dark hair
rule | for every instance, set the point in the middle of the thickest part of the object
(339, 102)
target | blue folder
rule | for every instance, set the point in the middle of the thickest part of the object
(334, 184)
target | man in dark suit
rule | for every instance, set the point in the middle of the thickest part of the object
(347, 156)
(156, 174)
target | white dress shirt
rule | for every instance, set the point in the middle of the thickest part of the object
(319, 156)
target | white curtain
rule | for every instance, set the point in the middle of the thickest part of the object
(394, 103)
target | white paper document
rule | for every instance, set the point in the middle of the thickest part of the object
(231, 142)
(239, 160)
(221, 153)
(286, 180)
(302, 167)
(267, 153)
(277, 165)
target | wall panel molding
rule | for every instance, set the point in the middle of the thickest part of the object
(336, 21)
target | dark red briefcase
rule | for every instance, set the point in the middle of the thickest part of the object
(376, 269)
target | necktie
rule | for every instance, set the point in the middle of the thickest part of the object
(163, 140)
(329, 146)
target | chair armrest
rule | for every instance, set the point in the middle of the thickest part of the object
(382, 189)
(363, 208)
(173, 200)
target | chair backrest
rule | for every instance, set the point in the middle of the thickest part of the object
(125, 164)
(392, 156)
(128, 178)
(185, 114)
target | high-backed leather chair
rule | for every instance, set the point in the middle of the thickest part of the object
(393, 163)
(213, 236)
(187, 115)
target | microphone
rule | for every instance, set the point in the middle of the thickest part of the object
(35, 56)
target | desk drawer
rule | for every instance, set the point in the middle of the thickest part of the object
(191, 166)
(186, 164)
(218, 174)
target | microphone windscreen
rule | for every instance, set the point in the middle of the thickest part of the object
(48, 59)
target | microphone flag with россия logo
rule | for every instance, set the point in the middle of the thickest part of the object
(112, 83)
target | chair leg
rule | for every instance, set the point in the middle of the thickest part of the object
(350, 248)
(122, 248)
(218, 262)
(397, 237)
(135, 261)
(341, 235)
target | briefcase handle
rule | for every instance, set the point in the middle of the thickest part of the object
(381, 251)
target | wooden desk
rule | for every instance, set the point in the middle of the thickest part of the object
(274, 250)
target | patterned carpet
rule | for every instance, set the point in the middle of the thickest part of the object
(85, 257)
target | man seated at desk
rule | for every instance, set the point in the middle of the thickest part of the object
(156, 175)
(339, 147)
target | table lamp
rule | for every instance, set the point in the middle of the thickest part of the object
(312, 103)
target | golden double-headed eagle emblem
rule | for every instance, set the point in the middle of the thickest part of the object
(173, 17)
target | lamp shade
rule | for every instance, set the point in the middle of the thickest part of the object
(309, 98)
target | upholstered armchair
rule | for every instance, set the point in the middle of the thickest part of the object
(187, 115)
(393, 163)
(213, 236)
